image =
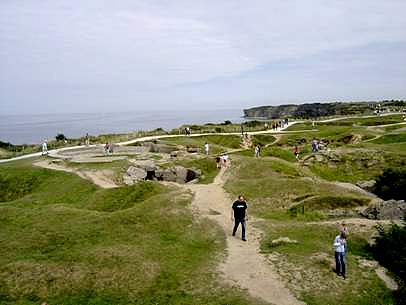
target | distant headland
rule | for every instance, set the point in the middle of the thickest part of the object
(314, 110)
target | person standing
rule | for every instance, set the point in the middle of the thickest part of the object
(206, 148)
(339, 250)
(45, 148)
(240, 215)
(257, 151)
(296, 152)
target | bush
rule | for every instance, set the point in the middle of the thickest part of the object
(390, 251)
(60, 137)
(391, 184)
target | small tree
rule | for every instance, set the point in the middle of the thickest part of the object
(392, 184)
(390, 251)
(60, 137)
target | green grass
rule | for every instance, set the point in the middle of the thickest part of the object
(206, 165)
(371, 121)
(218, 143)
(271, 151)
(394, 127)
(391, 138)
(278, 152)
(66, 241)
(320, 203)
(306, 266)
(263, 139)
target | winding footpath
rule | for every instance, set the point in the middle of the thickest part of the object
(244, 266)
(55, 152)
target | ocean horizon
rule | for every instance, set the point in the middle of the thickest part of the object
(34, 128)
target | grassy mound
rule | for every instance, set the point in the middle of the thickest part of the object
(263, 139)
(306, 264)
(391, 138)
(67, 241)
(321, 203)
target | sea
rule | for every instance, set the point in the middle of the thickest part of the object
(35, 128)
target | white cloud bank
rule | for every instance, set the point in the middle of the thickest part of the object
(99, 55)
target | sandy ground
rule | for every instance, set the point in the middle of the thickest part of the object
(244, 266)
(102, 178)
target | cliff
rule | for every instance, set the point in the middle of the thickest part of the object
(311, 110)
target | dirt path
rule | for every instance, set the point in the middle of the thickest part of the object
(102, 178)
(244, 266)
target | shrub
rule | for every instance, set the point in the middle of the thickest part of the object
(60, 137)
(390, 251)
(391, 184)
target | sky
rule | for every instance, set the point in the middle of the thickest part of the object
(61, 56)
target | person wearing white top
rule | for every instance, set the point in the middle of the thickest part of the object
(339, 250)
(206, 148)
(45, 148)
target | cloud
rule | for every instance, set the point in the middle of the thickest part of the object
(64, 54)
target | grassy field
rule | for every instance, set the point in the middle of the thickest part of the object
(66, 241)
(272, 187)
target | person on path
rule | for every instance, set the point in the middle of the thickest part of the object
(218, 160)
(240, 215)
(87, 141)
(45, 148)
(296, 152)
(339, 251)
(315, 145)
(226, 160)
(257, 151)
(107, 148)
(206, 148)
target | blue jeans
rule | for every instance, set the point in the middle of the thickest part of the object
(236, 224)
(340, 263)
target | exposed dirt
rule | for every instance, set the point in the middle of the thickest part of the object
(244, 266)
(103, 178)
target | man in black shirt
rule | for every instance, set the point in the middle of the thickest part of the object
(239, 215)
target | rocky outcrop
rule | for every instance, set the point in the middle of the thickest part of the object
(178, 174)
(311, 110)
(149, 171)
(368, 185)
(160, 148)
(390, 209)
(134, 175)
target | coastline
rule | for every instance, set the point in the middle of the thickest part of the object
(33, 129)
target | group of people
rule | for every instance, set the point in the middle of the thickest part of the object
(108, 148)
(280, 124)
(222, 160)
(239, 215)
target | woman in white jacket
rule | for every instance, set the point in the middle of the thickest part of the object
(339, 251)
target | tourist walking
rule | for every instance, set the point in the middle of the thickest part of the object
(240, 215)
(226, 160)
(257, 151)
(45, 148)
(315, 145)
(218, 160)
(339, 252)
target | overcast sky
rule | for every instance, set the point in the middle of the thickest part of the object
(103, 55)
